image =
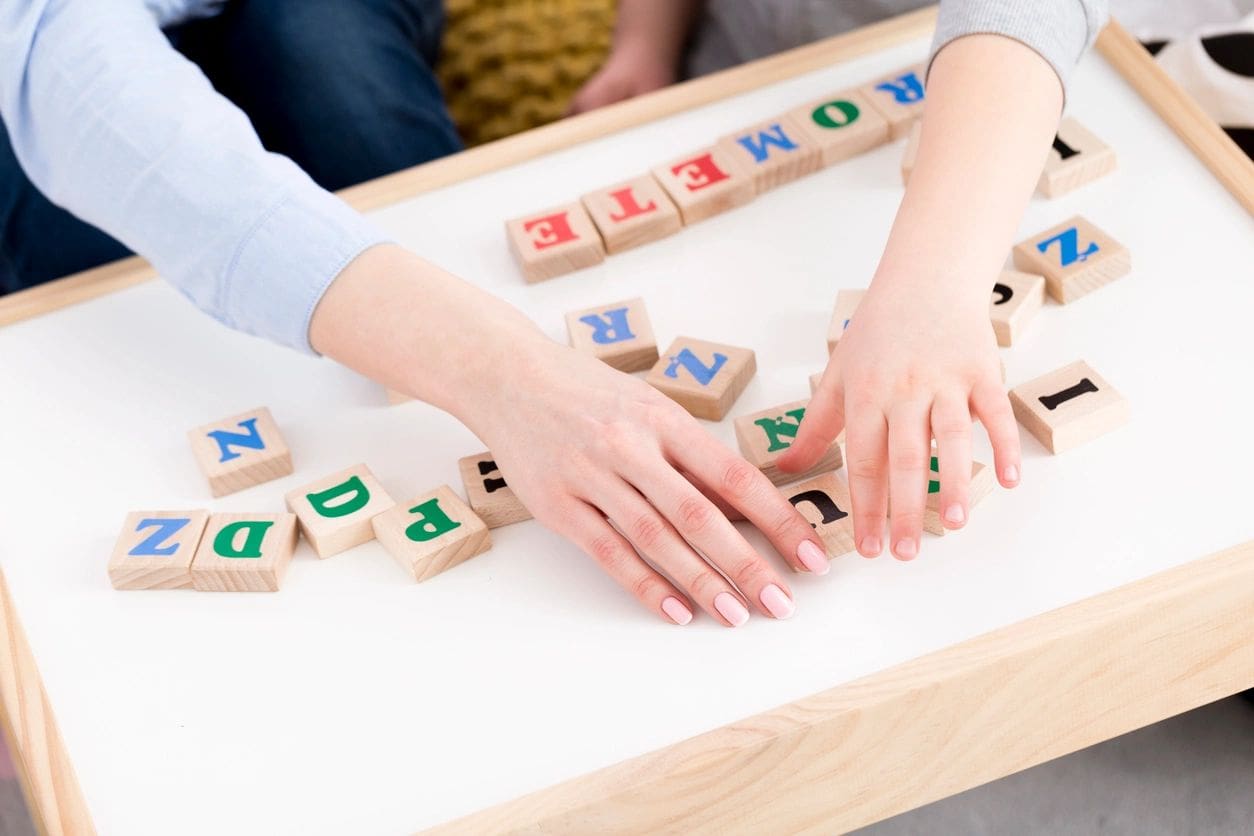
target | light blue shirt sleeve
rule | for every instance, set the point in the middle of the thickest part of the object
(110, 122)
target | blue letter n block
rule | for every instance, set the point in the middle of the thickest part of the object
(251, 440)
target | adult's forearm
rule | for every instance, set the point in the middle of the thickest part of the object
(417, 329)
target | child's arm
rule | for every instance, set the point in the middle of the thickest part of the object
(649, 37)
(920, 360)
(578, 441)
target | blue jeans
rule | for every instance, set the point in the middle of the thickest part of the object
(346, 88)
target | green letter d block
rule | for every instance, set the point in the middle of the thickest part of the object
(224, 543)
(352, 495)
(432, 522)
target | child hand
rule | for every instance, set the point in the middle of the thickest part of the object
(913, 365)
(579, 442)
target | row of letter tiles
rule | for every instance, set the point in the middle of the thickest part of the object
(194, 549)
(712, 180)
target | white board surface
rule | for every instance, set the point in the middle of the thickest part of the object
(355, 701)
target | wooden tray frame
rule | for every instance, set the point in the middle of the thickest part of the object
(860, 752)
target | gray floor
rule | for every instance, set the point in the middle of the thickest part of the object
(1193, 774)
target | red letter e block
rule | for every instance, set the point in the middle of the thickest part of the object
(554, 241)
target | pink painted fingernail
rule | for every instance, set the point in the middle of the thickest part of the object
(906, 548)
(729, 607)
(871, 546)
(776, 602)
(955, 514)
(1011, 474)
(676, 611)
(812, 557)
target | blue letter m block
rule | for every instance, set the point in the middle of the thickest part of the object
(760, 146)
(250, 439)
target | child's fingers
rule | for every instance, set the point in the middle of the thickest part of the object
(654, 537)
(823, 421)
(909, 452)
(701, 524)
(951, 427)
(587, 528)
(991, 405)
(745, 488)
(866, 454)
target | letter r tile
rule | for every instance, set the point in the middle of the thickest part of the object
(899, 98)
(618, 333)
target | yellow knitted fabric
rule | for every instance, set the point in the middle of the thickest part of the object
(509, 65)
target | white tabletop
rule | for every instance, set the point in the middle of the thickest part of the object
(357, 701)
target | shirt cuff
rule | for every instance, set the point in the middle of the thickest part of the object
(288, 260)
(1060, 31)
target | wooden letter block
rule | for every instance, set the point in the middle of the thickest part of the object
(824, 502)
(618, 334)
(981, 486)
(1078, 157)
(704, 378)
(843, 126)
(705, 183)
(776, 152)
(555, 241)
(899, 98)
(632, 213)
(1075, 258)
(1016, 299)
(432, 533)
(489, 496)
(847, 302)
(1066, 408)
(239, 452)
(764, 436)
(911, 152)
(335, 512)
(244, 553)
(155, 549)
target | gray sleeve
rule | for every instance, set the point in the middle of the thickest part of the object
(1061, 31)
